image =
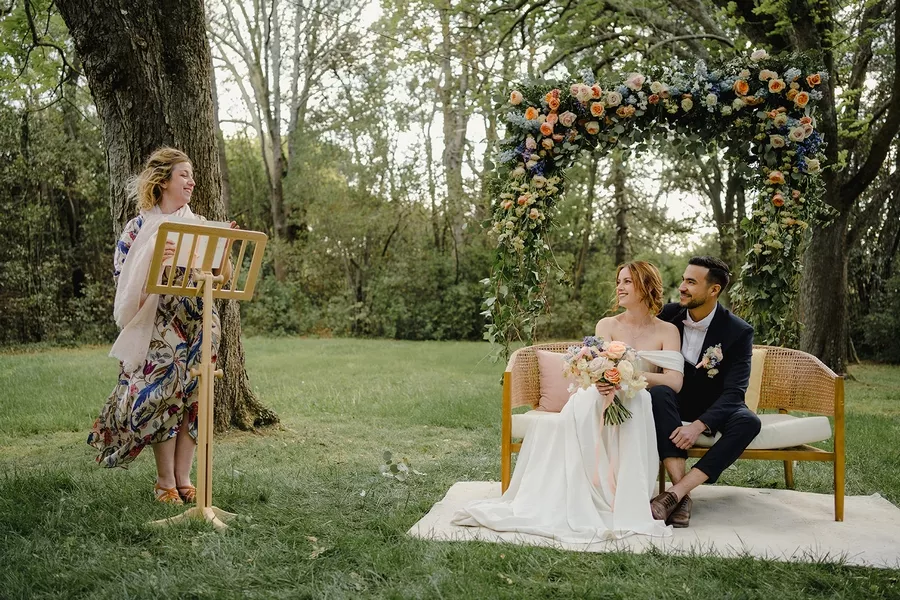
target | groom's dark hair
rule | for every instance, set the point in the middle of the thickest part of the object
(718, 270)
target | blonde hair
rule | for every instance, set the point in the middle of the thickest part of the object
(146, 188)
(647, 283)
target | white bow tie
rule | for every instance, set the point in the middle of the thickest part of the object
(694, 325)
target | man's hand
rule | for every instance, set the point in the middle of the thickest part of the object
(684, 437)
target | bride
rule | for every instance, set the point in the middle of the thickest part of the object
(577, 480)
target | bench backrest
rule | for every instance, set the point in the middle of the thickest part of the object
(792, 380)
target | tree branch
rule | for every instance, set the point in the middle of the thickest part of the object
(698, 36)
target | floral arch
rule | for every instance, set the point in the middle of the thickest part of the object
(760, 110)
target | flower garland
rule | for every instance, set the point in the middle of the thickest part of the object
(760, 110)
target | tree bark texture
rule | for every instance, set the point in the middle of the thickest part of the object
(148, 66)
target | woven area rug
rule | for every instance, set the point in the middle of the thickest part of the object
(726, 521)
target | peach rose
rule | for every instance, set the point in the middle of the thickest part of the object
(523, 199)
(766, 74)
(795, 194)
(791, 94)
(547, 143)
(814, 79)
(616, 350)
(558, 137)
(612, 376)
(592, 127)
(778, 199)
(776, 86)
(808, 130)
(806, 120)
(597, 109)
(797, 134)
(553, 103)
(741, 87)
(546, 128)
(531, 113)
(506, 204)
(516, 97)
(567, 119)
(596, 91)
(534, 214)
(776, 177)
(802, 99)
(552, 118)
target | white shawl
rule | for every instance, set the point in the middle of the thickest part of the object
(135, 310)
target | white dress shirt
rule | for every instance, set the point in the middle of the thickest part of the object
(694, 334)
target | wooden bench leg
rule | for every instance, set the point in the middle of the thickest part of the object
(839, 488)
(662, 477)
(789, 474)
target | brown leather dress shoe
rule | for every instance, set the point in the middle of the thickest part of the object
(663, 505)
(681, 516)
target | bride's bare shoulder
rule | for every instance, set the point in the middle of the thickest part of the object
(665, 326)
(606, 324)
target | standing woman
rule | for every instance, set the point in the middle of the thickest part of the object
(155, 401)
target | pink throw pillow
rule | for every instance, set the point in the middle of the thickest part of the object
(554, 385)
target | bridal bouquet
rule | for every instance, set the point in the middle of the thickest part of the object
(613, 363)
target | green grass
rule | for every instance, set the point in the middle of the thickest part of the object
(70, 529)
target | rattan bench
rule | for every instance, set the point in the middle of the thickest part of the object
(792, 381)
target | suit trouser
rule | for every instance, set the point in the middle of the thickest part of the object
(737, 432)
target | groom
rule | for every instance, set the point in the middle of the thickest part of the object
(717, 347)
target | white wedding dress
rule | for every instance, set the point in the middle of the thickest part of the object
(579, 481)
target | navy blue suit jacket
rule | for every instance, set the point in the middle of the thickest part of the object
(714, 399)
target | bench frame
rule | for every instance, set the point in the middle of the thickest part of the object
(792, 381)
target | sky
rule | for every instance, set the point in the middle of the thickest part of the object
(233, 113)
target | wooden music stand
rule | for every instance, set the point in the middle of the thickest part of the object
(199, 279)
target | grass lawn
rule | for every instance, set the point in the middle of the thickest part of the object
(323, 523)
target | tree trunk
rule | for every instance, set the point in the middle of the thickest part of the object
(823, 294)
(148, 67)
(620, 195)
(581, 259)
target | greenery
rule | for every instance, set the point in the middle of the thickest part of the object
(761, 111)
(319, 520)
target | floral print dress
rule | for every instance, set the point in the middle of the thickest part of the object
(147, 405)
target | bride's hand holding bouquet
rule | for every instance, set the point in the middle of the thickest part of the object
(613, 363)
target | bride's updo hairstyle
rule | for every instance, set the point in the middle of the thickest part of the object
(146, 188)
(647, 283)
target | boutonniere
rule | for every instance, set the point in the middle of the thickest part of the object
(712, 358)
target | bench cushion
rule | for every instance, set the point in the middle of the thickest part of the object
(778, 431)
(781, 431)
(521, 422)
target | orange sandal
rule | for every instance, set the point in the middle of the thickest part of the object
(166, 495)
(188, 493)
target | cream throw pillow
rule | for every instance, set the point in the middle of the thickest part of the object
(754, 387)
(554, 385)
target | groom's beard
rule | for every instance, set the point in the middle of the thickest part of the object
(691, 302)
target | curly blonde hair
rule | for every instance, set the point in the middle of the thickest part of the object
(146, 188)
(647, 283)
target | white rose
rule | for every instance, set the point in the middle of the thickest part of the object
(759, 55)
(712, 99)
(813, 166)
(613, 99)
(738, 104)
(687, 104)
